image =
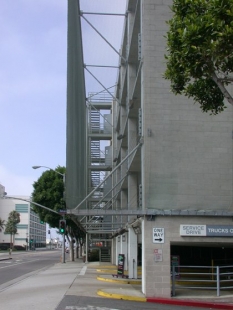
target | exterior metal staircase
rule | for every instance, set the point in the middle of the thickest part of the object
(100, 161)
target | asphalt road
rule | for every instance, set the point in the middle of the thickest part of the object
(25, 263)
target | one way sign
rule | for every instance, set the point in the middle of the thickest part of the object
(158, 235)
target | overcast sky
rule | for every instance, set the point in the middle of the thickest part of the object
(33, 66)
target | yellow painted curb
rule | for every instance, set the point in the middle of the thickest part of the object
(114, 271)
(119, 281)
(103, 266)
(107, 270)
(119, 296)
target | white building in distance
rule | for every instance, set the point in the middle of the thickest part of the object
(31, 233)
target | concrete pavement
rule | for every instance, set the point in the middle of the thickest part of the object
(46, 288)
(126, 289)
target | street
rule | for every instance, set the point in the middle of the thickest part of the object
(23, 264)
(38, 280)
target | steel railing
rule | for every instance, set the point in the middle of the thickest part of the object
(201, 277)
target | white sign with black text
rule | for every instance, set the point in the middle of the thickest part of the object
(158, 235)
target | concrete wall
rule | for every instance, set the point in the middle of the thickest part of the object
(186, 155)
(187, 159)
(190, 151)
(157, 273)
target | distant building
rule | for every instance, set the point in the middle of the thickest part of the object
(31, 233)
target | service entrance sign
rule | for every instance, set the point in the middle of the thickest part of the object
(193, 230)
(158, 235)
(206, 230)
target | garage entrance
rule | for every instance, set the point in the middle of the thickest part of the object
(204, 254)
(202, 267)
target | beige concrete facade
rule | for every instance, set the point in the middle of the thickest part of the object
(184, 164)
(157, 277)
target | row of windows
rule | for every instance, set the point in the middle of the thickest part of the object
(22, 226)
(37, 238)
(21, 208)
(34, 218)
(37, 232)
(38, 226)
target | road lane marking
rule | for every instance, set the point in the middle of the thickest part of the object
(83, 271)
(15, 264)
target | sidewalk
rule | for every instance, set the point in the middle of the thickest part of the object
(126, 289)
(47, 287)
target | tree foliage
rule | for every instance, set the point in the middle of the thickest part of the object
(49, 191)
(200, 51)
(2, 225)
(11, 225)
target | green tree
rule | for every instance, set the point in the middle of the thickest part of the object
(200, 51)
(11, 225)
(49, 191)
(2, 225)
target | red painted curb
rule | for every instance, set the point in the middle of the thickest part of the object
(190, 303)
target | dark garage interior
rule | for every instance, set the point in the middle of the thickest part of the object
(203, 254)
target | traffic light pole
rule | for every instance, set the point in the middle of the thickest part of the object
(63, 246)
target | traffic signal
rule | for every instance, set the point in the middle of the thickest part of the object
(62, 226)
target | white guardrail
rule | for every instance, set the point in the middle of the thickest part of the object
(201, 277)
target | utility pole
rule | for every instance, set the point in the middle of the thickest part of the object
(63, 245)
(50, 240)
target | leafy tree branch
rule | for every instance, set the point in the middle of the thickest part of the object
(199, 55)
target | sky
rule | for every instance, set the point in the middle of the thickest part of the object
(33, 64)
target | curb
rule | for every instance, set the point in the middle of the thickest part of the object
(114, 271)
(119, 296)
(190, 303)
(5, 258)
(158, 300)
(175, 302)
(118, 280)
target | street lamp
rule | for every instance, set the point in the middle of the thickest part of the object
(63, 216)
(62, 174)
